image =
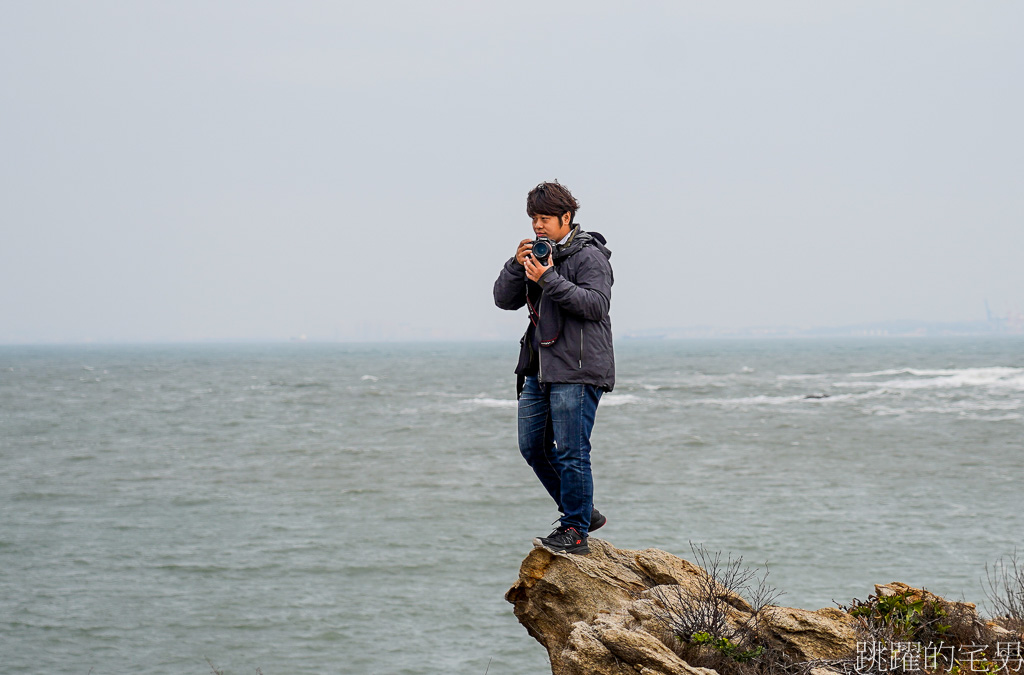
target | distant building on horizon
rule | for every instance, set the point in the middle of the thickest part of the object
(1012, 323)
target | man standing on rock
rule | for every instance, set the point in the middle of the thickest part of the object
(566, 359)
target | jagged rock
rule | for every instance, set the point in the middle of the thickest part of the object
(636, 646)
(556, 590)
(599, 614)
(610, 648)
(609, 613)
(827, 633)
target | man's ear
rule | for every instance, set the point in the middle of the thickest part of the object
(566, 218)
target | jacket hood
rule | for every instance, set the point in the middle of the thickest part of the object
(581, 238)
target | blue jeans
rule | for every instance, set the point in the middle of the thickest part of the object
(555, 421)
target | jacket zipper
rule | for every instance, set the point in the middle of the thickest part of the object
(581, 348)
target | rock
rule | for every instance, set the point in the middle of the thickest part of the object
(915, 594)
(825, 634)
(611, 648)
(590, 613)
(637, 647)
(602, 614)
(555, 590)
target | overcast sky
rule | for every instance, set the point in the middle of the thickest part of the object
(264, 170)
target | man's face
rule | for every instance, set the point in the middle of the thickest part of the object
(552, 227)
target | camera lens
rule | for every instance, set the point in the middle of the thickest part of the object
(541, 250)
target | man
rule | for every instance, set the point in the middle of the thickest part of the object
(566, 359)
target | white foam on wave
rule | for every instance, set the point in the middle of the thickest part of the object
(999, 377)
(885, 373)
(1010, 378)
(369, 378)
(855, 385)
(882, 411)
(997, 418)
(974, 406)
(492, 402)
(760, 399)
(798, 398)
(1000, 371)
(486, 402)
(511, 403)
(619, 399)
(963, 410)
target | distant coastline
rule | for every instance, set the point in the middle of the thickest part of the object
(1013, 325)
(1009, 326)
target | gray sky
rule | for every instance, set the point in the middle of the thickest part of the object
(196, 170)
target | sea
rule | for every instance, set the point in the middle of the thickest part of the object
(362, 508)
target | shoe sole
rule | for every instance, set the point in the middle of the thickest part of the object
(597, 525)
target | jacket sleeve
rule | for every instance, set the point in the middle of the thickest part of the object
(590, 297)
(510, 286)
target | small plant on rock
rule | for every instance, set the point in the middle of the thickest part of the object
(715, 620)
(727, 647)
(1005, 591)
(917, 616)
(911, 631)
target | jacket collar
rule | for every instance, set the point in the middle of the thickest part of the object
(577, 238)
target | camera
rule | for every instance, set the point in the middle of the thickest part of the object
(542, 249)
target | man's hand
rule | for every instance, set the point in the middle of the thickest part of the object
(524, 250)
(534, 270)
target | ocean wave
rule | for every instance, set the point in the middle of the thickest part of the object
(760, 399)
(696, 382)
(970, 412)
(994, 377)
(684, 382)
(492, 402)
(619, 399)
(882, 411)
(975, 406)
(924, 372)
(998, 418)
(885, 373)
(486, 402)
(814, 399)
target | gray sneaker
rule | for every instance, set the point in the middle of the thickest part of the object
(568, 540)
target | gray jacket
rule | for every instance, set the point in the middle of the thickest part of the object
(571, 323)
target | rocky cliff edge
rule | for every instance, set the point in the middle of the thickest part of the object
(605, 614)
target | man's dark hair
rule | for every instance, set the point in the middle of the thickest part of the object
(551, 199)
